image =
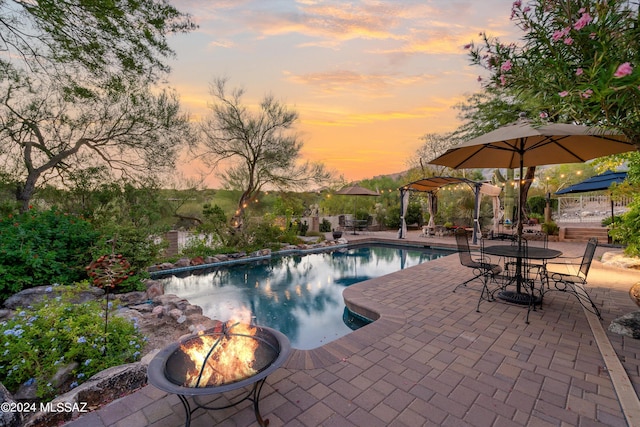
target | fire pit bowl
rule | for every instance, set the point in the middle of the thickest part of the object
(263, 350)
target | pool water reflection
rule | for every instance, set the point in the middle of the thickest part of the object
(299, 295)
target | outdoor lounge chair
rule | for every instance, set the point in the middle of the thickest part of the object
(575, 283)
(482, 267)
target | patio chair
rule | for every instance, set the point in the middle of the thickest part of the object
(482, 267)
(575, 283)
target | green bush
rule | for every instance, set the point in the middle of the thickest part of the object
(392, 219)
(414, 216)
(199, 247)
(43, 247)
(608, 220)
(536, 204)
(550, 228)
(40, 340)
(627, 231)
(325, 226)
(134, 243)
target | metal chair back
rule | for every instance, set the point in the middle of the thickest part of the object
(464, 252)
(589, 252)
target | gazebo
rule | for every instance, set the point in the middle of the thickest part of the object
(431, 185)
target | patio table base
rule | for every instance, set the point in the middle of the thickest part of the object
(518, 298)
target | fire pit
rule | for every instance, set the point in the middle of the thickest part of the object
(227, 357)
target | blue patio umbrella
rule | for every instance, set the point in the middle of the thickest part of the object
(596, 183)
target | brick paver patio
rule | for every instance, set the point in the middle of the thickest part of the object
(431, 359)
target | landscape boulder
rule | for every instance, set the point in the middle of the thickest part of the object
(31, 296)
(8, 418)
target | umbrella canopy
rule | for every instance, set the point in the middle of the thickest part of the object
(356, 190)
(522, 144)
(595, 183)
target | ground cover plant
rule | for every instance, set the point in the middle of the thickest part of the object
(40, 340)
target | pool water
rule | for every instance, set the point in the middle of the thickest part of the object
(299, 295)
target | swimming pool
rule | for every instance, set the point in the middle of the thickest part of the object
(299, 295)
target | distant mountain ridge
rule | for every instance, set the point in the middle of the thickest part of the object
(393, 176)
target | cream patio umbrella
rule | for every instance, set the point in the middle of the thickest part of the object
(355, 190)
(523, 144)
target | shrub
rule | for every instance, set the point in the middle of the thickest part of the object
(300, 227)
(41, 339)
(199, 247)
(215, 219)
(627, 230)
(325, 226)
(608, 220)
(42, 247)
(550, 228)
(134, 243)
(414, 216)
(392, 220)
(536, 204)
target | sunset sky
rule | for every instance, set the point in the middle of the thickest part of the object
(368, 78)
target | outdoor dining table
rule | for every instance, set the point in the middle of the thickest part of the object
(356, 224)
(518, 253)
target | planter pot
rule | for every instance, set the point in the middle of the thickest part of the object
(337, 234)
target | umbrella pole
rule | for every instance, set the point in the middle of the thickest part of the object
(355, 201)
(520, 202)
(519, 260)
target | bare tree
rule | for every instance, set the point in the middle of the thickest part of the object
(262, 149)
(47, 133)
(100, 38)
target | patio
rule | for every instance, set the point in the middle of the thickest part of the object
(432, 360)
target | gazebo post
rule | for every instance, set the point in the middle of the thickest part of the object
(476, 208)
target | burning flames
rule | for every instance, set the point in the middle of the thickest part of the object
(230, 360)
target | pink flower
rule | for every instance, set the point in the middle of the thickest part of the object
(558, 34)
(544, 115)
(503, 80)
(526, 9)
(563, 93)
(584, 20)
(517, 3)
(623, 70)
(579, 72)
(587, 93)
(506, 66)
(568, 41)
